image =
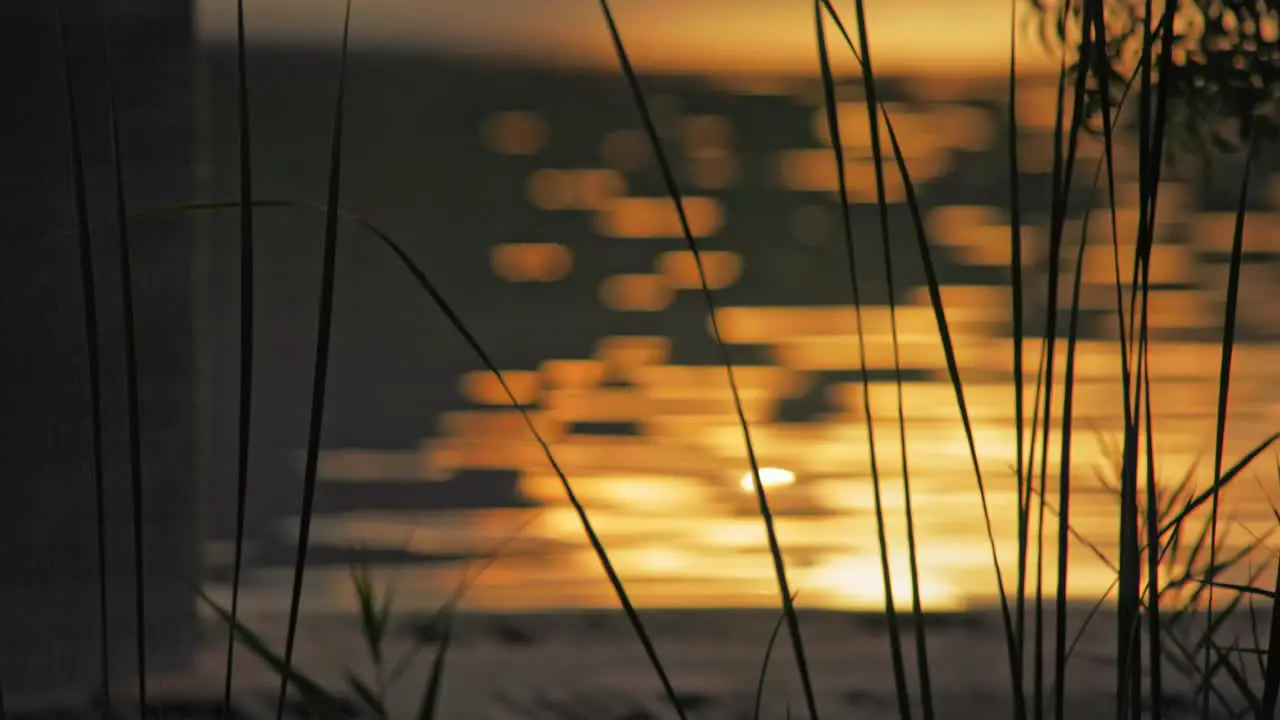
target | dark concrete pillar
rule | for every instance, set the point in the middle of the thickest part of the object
(49, 624)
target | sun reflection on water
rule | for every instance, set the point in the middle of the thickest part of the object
(665, 487)
(769, 476)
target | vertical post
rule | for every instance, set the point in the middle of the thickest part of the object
(49, 599)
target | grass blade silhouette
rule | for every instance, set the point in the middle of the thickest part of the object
(1255, 637)
(1219, 484)
(92, 332)
(1271, 677)
(375, 617)
(1062, 174)
(320, 371)
(948, 347)
(1128, 679)
(1152, 546)
(459, 592)
(764, 663)
(1064, 486)
(833, 125)
(244, 420)
(1151, 130)
(431, 697)
(1271, 666)
(1224, 370)
(374, 611)
(451, 315)
(669, 180)
(366, 694)
(1017, 313)
(132, 409)
(319, 699)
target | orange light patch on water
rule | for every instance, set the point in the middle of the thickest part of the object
(1254, 360)
(599, 405)
(1037, 108)
(961, 224)
(636, 293)
(615, 455)
(1215, 232)
(656, 217)
(842, 353)
(721, 267)
(671, 380)
(616, 526)
(980, 237)
(656, 561)
(862, 185)
(1170, 264)
(499, 424)
(633, 493)
(572, 374)
(483, 387)
(715, 402)
(623, 356)
(1177, 309)
(815, 171)
(937, 400)
(595, 188)
(773, 325)
(767, 325)
(531, 262)
(581, 189)
(967, 304)
(917, 133)
(611, 405)
(1126, 233)
(515, 132)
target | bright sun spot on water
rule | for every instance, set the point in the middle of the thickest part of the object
(859, 582)
(769, 476)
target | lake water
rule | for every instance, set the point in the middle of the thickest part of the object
(530, 198)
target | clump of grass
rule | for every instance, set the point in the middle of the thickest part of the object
(368, 695)
(374, 606)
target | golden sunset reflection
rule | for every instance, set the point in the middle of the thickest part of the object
(650, 440)
(769, 477)
(670, 504)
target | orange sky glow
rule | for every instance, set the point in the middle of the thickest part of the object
(719, 36)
